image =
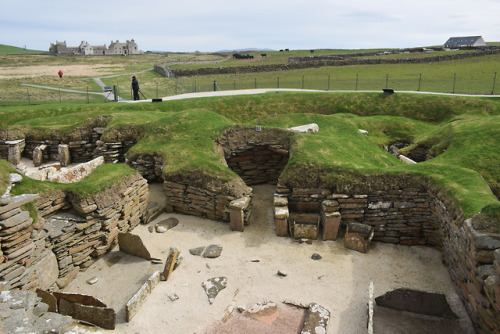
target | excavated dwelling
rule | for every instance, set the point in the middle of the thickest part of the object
(400, 209)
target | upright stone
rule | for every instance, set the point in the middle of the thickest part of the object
(331, 223)
(281, 215)
(15, 148)
(237, 213)
(37, 156)
(64, 156)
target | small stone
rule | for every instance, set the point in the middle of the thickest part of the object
(160, 229)
(15, 178)
(92, 280)
(316, 256)
(151, 229)
(282, 273)
(172, 296)
(168, 223)
(212, 251)
(197, 251)
(241, 309)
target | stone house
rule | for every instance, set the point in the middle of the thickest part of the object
(467, 41)
(115, 48)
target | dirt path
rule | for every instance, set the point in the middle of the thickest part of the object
(250, 261)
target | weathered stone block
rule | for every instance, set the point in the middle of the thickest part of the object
(236, 219)
(331, 224)
(281, 226)
(358, 237)
(280, 201)
(305, 231)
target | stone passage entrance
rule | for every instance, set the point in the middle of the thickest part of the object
(257, 155)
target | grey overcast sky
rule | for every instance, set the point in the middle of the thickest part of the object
(204, 25)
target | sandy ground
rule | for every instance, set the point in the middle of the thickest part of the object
(339, 281)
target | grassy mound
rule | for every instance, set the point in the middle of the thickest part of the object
(461, 132)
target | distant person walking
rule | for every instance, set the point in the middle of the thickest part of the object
(135, 88)
(60, 73)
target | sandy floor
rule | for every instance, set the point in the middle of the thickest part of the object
(339, 281)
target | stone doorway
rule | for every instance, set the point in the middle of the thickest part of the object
(257, 155)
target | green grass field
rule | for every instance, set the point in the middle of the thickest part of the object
(469, 76)
(14, 50)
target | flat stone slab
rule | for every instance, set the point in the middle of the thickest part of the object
(421, 302)
(313, 127)
(265, 311)
(166, 224)
(389, 321)
(213, 286)
(132, 244)
(17, 201)
(212, 251)
(316, 320)
(197, 251)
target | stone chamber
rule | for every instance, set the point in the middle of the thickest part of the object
(71, 232)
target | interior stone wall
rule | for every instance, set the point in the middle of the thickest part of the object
(421, 216)
(70, 234)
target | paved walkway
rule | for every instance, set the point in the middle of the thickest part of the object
(266, 90)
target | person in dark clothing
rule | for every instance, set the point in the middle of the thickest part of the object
(135, 88)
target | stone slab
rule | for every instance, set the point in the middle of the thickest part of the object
(316, 320)
(132, 244)
(17, 201)
(421, 302)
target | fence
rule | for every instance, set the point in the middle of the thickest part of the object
(453, 83)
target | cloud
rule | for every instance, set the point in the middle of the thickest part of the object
(225, 24)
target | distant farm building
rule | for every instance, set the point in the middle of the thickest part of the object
(468, 41)
(115, 48)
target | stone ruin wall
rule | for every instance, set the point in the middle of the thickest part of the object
(400, 216)
(49, 253)
(81, 151)
(404, 215)
(417, 216)
(186, 199)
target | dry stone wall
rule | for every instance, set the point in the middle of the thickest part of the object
(44, 150)
(413, 216)
(257, 164)
(190, 200)
(400, 216)
(307, 62)
(70, 234)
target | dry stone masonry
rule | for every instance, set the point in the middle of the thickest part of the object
(407, 215)
(70, 233)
